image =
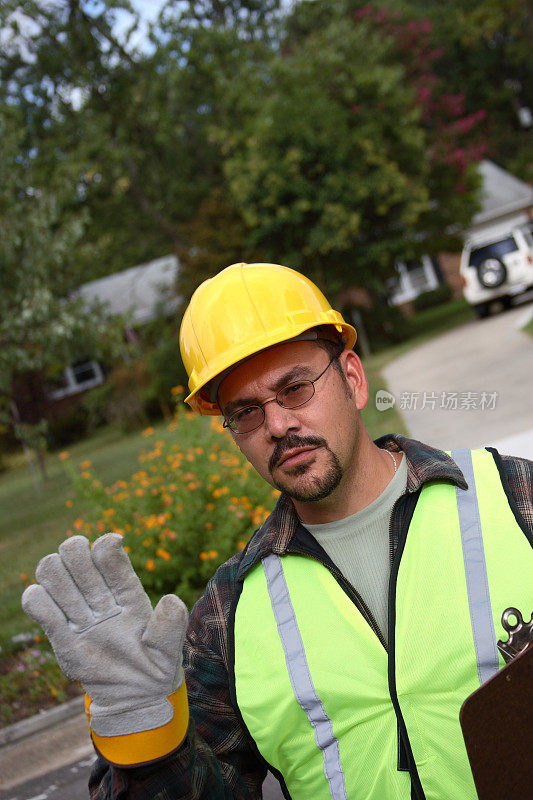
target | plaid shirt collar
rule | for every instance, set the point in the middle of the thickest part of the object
(424, 464)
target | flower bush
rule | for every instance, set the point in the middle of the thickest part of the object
(30, 680)
(192, 503)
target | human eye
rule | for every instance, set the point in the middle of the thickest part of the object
(296, 393)
(245, 416)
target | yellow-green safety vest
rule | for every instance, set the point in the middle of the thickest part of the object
(325, 702)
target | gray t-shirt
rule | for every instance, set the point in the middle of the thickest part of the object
(359, 546)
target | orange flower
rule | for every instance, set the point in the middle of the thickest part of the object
(23, 576)
(85, 474)
(210, 554)
(139, 492)
(209, 526)
(162, 554)
(150, 564)
(78, 524)
(85, 465)
(69, 503)
(177, 390)
(64, 455)
(241, 545)
(147, 432)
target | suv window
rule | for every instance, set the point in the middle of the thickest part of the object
(494, 250)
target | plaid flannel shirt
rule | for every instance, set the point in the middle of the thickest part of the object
(217, 760)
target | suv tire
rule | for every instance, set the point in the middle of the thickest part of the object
(492, 273)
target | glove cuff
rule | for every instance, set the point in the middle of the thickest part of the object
(136, 749)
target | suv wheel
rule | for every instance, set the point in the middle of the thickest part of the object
(481, 310)
(491, 273)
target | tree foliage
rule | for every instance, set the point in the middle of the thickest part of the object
(42, 328)
(486, 62)
(336, 137)
(349, 159)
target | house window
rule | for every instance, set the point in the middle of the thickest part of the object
(82, 375)
(413, 278)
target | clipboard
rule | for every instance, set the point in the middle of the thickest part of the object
(497, 725)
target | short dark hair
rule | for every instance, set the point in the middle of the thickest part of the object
(334, 347)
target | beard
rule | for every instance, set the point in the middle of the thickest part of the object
(315, 486)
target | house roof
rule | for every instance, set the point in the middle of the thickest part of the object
(502, 193)
(136, 291)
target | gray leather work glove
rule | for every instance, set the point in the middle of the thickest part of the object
(105, 634)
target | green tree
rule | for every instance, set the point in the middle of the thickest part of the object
(338, 169)
(134, 128)
(42, 329)
(486, 64)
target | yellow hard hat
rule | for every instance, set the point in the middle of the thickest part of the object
(242, 310)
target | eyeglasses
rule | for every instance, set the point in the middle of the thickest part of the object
(293, 395)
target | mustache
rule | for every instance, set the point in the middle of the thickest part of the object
(290, 442)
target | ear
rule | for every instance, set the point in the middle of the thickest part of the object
(355, 375)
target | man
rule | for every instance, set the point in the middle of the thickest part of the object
(337, 648)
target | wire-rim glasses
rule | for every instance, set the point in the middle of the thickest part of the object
(294, 395)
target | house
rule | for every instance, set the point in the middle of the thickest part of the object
(138, 294)
(507, 202)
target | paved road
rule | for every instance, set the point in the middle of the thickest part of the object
(470, 387)
(64, 783)
(55, 765)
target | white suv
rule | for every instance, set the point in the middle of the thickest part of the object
(498, 269)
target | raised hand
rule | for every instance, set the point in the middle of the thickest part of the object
(105, 634)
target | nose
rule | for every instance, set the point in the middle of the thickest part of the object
(278, 420)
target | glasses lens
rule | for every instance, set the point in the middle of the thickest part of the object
(247, 419)
(296, 394)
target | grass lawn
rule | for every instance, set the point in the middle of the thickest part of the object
(34, 522)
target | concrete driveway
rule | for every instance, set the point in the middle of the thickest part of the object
(470, 387)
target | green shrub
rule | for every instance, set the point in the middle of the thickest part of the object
(192, 504)
(71, 426)
(384, 325)
(435, 297)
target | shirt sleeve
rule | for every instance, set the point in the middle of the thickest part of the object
(217, 759)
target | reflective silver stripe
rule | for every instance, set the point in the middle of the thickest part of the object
(300, 676)
(476, 570)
